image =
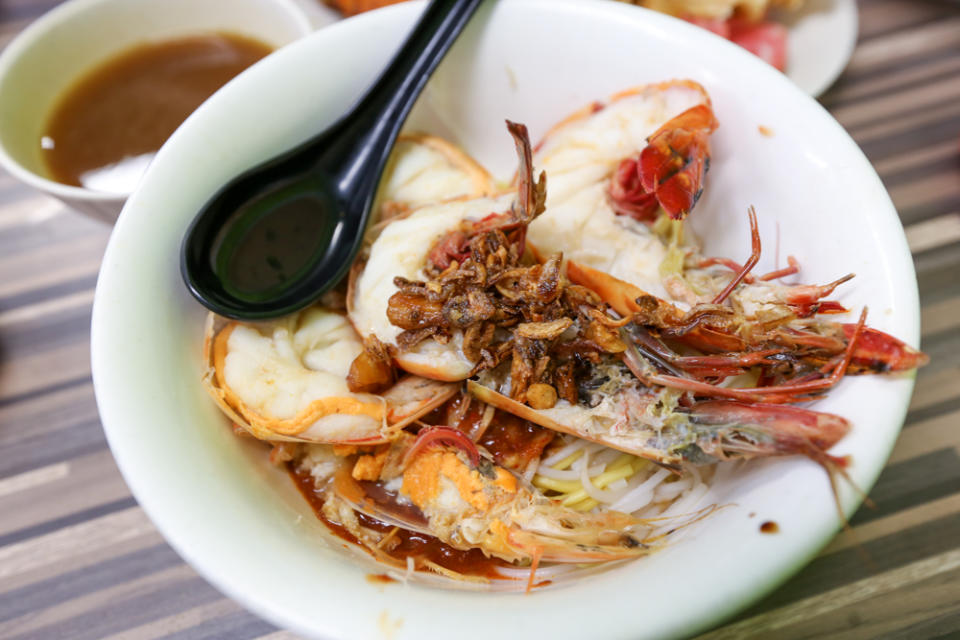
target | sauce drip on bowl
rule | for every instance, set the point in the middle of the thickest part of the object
(769, 527)
(104, 130)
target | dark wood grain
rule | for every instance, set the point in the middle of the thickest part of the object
(79, 559)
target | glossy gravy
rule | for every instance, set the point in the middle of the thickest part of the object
(410, 543)
(105, 129)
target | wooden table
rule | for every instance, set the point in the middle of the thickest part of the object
(79, 559)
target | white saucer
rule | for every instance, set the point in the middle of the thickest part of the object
(822, 37)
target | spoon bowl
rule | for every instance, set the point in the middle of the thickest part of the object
(277, 237)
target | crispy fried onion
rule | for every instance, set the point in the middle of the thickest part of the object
(479, 280)
(371, 371)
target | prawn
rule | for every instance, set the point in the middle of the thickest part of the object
(762, 323)
(386, 302)
(439, 483)
(285, 380)
(655, 423)
(602, 199)
(424, 170)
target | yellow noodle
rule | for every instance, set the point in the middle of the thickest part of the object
(569, 460)
(560, 486)
(585, 505)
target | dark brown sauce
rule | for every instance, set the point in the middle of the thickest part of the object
(512, 441)
(411, 544)
(263, 247)
(769, 527)
(127, 107)
(379, 578)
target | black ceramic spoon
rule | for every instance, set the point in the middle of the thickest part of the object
(278, 236)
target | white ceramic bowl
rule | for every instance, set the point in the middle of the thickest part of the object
(241, 523)
(56, 50)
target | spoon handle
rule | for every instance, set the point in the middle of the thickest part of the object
(380, 114)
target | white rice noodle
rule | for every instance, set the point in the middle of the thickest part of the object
(600, 495)
(544, 571)
(640, 496)
(562, 453)
(411, 567)
(532, 470)
(616, 485)
(570, 449)
(572, 473)
(670, 490)
(683, 508)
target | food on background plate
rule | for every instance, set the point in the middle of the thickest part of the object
(745, 22)
(353, 7)
(518, 385)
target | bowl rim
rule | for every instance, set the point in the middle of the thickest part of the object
(697, 622)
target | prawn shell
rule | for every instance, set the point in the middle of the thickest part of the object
(483, 182)
(421, 186)
(379, 418)
(500, 401)
(514, 522)
(563, 551)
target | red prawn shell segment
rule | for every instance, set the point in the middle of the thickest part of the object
(669, 172)
(676, 158)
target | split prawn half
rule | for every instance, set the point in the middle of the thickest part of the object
(434, 237)
(439, 483)
(755, 323)
(285, 380)
(612, 166)
(424, 170)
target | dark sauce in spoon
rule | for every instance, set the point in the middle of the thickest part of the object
(266, 245)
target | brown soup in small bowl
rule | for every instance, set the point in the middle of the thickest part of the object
(104, 130)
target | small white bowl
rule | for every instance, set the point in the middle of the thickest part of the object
(241, 523)
(57, 49)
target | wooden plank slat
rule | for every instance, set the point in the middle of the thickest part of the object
(800, 613)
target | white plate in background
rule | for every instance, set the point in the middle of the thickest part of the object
(823, 34)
